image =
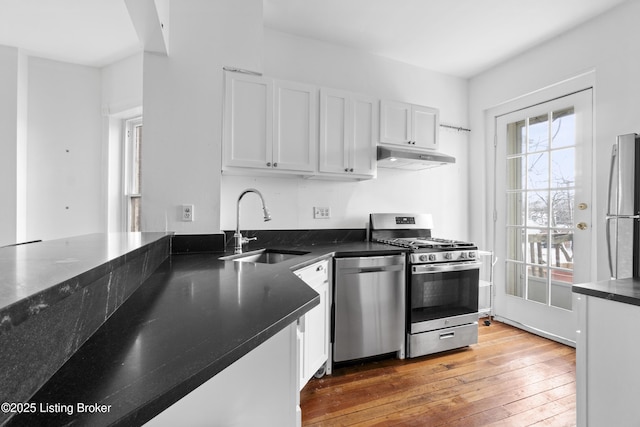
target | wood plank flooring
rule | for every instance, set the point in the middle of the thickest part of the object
(510, 378)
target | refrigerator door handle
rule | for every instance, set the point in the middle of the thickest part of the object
(609, 248)
(609, 216)
(614, 157)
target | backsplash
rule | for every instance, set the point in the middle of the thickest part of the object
(267, 238)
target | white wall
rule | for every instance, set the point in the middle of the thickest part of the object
(441, 191)
(9, 76)
(49, 107)
(608, 46)
(64, 152)
(183, 109)
(122, 85)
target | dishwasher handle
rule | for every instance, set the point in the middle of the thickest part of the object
(376, 269)
(368, 263)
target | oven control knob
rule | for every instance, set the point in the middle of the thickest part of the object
(448, 255)
(423, 257)
(463, 255)
(472, 254)
(432, 257)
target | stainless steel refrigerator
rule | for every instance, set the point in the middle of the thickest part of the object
(623, 212)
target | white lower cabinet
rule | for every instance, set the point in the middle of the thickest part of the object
(607, 363)
(314, 326)
(259, 389)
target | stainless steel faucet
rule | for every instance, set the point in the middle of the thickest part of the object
(238, 239)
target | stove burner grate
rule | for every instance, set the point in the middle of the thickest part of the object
(422, 242)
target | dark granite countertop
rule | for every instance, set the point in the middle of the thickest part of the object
(35, 276)
(621, 290)
(190, 320)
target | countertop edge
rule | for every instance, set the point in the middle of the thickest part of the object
(17, 312)
(164, 400)
(626, 291)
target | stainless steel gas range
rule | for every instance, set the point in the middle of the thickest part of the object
(442, 283)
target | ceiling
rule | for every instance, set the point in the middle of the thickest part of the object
(89, 32)
(456, 37)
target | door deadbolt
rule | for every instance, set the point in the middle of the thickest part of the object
(582, 206)
(582, 225)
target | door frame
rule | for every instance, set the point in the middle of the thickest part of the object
(558, 90)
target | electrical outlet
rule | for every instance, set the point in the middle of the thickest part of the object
(187, 212)
(321, 213)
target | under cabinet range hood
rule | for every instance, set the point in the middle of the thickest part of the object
(399, 158)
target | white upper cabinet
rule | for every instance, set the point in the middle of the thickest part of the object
(248, 121)
(274, 126)
(395, 122)
(410, 125)
(425, 126)
(295, 126)
(269, 125)
(347, 134)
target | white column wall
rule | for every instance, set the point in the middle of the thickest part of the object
(183, 109)
(8, 144)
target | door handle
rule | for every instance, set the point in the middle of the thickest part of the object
(582, 226)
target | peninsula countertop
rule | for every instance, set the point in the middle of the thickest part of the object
(36, 275)
(620, 290)
(192, 318)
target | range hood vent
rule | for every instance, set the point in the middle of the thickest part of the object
(399, 158)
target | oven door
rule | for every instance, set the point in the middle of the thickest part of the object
(443, 295)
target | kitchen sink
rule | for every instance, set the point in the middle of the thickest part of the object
(264, 256)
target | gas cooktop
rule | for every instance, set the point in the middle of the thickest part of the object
(412, 231)
(427, 242)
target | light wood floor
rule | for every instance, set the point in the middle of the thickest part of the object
(510, 378)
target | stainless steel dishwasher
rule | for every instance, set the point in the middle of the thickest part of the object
(369, 304)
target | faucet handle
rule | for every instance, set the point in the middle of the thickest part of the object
(248, 239)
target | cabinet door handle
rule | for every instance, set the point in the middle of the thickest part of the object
(346, 169)
(269, 164)
(351, 170)
(319, 268)
(275, 165)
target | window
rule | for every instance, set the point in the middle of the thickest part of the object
(132, 172)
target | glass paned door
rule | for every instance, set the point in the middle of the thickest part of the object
(543, 198)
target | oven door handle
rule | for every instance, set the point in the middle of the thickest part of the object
(439, 268)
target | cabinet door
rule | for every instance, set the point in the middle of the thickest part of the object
(363, 148)
(316, 343)
(425, 127)
(395, 122)
(608, 377)
(315, 325)
(334, 131)
(295, 110)
(302, 379)
(248, 127)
